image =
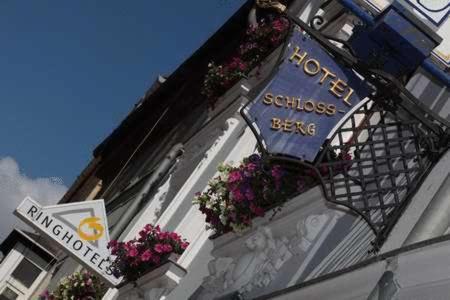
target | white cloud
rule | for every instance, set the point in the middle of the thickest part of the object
(15, 186)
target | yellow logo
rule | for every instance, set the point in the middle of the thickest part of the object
(93, 224)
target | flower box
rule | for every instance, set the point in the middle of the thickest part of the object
(259, 41)
(166, 276)
(241, 193)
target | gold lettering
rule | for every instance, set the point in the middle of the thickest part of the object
(320, 108)
(297, 56)
(311, 129)
(299, 128)
(347, 97)
(327, 73)
(268, 99)
(337, 87)
(279, 101)
(299, 105)
(308, 70)
(309, 106)
(331, 110)
(276, 124)
(287, 125)
(290, 102)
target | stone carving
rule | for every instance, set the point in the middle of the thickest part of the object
(262, 257)
(307, 231)
(271, 4)
(256, 268)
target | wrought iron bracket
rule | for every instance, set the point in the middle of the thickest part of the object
(393, 138)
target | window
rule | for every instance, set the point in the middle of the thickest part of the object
(26, 273)
(8, 294)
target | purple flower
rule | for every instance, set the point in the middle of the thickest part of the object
(237, 195)
(249, 194)
(277, 172)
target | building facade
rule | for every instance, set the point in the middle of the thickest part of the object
(387, 237)
(26, 264)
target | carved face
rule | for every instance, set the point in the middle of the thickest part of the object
(256, 241)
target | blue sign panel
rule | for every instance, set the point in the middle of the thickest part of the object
(304, 101)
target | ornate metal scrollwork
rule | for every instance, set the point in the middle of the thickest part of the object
(393, 139)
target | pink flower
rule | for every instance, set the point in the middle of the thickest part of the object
(112, 244)
(234, 176)
(346, 156)
(258, 211)
(146, 255)
(159, 248)
(184, 245)
(167, 248)
(174, 236)
(279, 25)
(133, 252)
(143, 234)
(89, 282)
(163, 235)
(251, 167)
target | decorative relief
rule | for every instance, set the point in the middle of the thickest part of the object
(261, 258)
(271, 4)
(307, 231)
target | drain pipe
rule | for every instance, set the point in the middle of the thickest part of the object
(162, 169)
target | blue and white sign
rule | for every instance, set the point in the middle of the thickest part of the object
(437, 11)
(305, 100)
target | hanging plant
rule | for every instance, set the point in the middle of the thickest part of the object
(134, 258)
(78, 286)
(239, 194)
(258, 42)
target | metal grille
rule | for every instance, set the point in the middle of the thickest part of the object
(391, 152)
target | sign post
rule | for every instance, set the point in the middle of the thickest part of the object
(80, 228)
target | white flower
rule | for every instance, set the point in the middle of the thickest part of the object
(223, 219)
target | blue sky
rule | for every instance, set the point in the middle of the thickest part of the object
(71, 71)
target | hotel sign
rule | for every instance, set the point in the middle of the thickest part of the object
(306, 99)
(81, 229)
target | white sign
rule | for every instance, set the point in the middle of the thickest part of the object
(437, 11)
(81, 229)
